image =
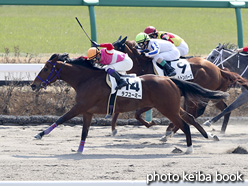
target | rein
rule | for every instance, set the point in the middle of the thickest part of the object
(220, 58)
(49, 78)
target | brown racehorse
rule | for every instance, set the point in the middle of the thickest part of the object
(92, 94)
(205, 74)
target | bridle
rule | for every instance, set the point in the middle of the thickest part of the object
(50, 78)
(219, 59)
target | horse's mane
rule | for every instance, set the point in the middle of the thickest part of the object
(232, 48)
(85, 63)
(229, 46)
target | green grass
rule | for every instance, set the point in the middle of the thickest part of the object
(50, 29)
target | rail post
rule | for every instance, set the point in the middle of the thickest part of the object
(91, 4)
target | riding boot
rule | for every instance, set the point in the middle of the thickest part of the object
(169, 70)
(120, 82)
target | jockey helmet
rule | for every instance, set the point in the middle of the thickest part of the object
(92, 53)
(150, 30)
(142, 37)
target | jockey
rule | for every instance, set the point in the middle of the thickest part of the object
(160, 50)
(244, 49)
(114, 60)
(181, 45)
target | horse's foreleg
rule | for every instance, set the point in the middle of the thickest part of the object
(86, 125)
(242, 99)
(139, 118)
(113, 124)
(72, 113)
(221, 105)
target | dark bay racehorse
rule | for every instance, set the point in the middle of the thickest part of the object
(205, 73)
(235, 62)
(92, 94)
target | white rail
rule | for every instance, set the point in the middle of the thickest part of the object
(19, 72)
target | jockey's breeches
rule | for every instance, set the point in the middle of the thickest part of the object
(167, 56)
(183, 48)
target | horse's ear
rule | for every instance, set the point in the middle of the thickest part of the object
(123, 40)
(53, 56)
(119, 38)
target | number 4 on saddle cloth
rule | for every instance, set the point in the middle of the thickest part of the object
(132, 90)
(181, 66)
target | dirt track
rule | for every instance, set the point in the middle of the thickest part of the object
(131, 155)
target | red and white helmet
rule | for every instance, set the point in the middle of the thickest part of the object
(150, 30)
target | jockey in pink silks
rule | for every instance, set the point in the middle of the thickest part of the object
(114, 60)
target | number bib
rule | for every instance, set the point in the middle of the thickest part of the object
(132, 90)
(183, 69)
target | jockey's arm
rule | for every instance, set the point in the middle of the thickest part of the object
(108, 46)
(155, 50)
(245, 49)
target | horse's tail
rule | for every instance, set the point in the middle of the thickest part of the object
(234, 78)
(190, 89)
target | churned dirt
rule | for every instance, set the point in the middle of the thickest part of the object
(130, 155)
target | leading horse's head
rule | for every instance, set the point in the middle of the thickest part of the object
(48, 74)
(120, 44)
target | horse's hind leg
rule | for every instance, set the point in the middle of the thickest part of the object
(194, 108)
(72, 113)
(113, 124)
(139, 118)
(179, 122)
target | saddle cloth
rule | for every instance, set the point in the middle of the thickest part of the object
(132, 90)
(182, 68)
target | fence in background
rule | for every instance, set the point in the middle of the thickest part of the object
(23, 73)
(236, 4)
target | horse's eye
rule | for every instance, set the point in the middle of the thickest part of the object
(212, 57)
(45, 69)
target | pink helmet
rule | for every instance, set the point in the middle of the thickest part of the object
(150, 30)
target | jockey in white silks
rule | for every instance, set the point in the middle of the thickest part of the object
(160, 50)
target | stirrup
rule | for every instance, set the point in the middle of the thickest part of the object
(173, 73)
(108, 116)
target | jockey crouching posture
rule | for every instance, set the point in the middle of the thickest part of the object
(160, 50)
(181, 45)
(116, 61)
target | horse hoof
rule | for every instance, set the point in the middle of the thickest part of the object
(169, 134)
(163, 139)
(216, 138)
(114, 132)
(38, 136)
(79, 152)
(108, 116)
(207, 123)
(189, 150)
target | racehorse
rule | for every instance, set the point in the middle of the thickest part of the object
(92, 94)
(225, 57)
(205, 73)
